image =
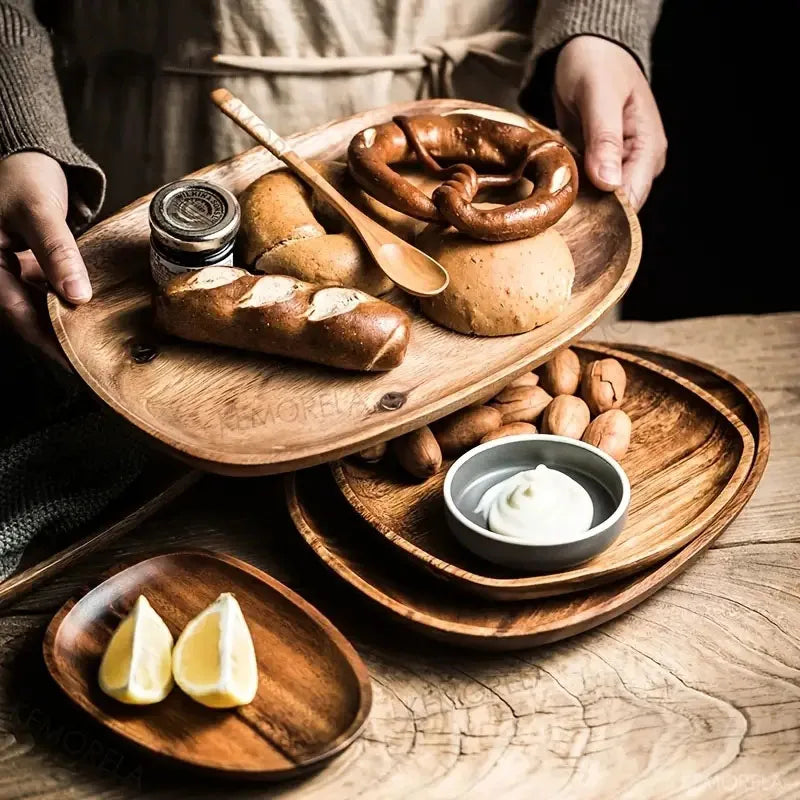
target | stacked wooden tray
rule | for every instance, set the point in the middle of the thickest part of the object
(699, 448)
(237, 413)
(695, 457)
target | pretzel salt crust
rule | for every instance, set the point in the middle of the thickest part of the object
(467, 143)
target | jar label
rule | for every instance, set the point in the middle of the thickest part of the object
(164, 270)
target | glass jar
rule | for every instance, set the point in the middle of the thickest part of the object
(193, 224)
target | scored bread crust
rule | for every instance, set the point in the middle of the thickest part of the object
(285, 230)
(284, 316)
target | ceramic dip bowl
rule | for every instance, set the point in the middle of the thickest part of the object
(488, 464)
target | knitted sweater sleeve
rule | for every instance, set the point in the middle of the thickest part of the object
(32, 114)
(629, 23)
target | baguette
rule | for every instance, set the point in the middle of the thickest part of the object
(284, 316)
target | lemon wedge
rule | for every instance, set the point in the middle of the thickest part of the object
(136, 666)
(214, 661)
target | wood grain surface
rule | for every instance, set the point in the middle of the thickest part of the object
(232, 412)
(341, 540)
(693, 693)
(313, 694)
(688, 458)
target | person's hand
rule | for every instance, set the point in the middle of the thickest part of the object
(36, 247)
(603, 102)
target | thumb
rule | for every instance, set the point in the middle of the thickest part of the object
(600, 110)
(47, 234)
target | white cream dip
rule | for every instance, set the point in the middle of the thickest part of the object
(541, 505)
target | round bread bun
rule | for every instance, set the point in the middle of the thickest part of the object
(498, 288)
(287, 231)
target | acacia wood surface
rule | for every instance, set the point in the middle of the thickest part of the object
(234, 412)
(693, 693)
(342, 540)
(313, 693)
(688, 457)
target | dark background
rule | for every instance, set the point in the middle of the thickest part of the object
(720, 225)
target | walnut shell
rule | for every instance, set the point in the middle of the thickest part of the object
(611, 432)
(526, 379)
(521, 403)
(512, 429)
(562, 373)
(373, 454)
(567, 415)
(465, 429)
(418, 453)
(603, 385)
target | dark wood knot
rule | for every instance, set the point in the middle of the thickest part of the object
(143, 353)
(391, 401)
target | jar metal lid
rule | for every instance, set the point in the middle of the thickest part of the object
(194, 216)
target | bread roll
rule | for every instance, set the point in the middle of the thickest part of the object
(286, 231)
(283, 316)
(498, 288)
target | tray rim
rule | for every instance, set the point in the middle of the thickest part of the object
(264, 463)
(637, 589)
(354, 660)
(559, 584)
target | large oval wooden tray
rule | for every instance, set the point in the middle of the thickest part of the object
(239, 413)
(688, 457)
(314, 693)
(342, 540)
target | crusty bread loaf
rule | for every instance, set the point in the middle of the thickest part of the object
(286, 230)
(498, 288)
(284, 316)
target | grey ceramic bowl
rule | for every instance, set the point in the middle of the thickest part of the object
(487, 464)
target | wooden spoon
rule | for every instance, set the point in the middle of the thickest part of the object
(410, 268)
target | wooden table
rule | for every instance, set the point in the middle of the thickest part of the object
(694, 693)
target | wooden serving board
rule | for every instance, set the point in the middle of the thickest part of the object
(314, 693)
(688, 457)
(343, 541)
(237, 413)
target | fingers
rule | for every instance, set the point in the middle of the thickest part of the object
(46, 232)
(646, 151)
(600, 109)
(17, 309)
(29, 270)
(637, 176)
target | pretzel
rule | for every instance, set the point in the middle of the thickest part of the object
(465, 144)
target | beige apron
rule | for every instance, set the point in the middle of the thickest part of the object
(136, 76)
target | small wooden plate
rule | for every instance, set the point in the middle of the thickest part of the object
(239, 413)
(314, 692)
(689, 456)
(343, 541)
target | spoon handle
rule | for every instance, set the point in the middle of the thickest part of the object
(412, 270)
(246, 119)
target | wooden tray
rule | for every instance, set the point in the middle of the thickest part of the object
(238, 413)
(164, 480)
(343, 541)
(314, 692)
(689, 456)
